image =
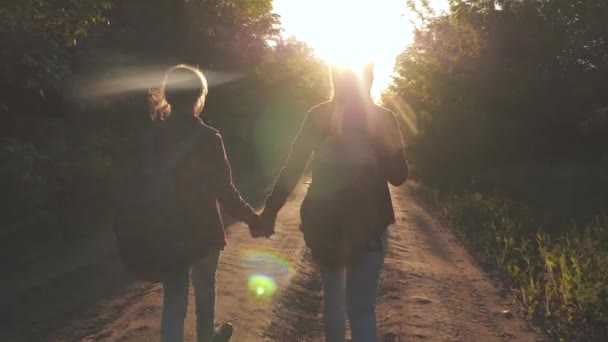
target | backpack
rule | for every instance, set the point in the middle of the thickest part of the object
(154, 239)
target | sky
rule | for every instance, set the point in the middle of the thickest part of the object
(351, 31)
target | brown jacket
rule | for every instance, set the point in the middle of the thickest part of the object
(202, 179)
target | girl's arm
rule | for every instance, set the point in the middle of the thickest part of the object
(394, 164)
(301, 151)
(228, 196)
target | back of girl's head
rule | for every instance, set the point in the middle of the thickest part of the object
(183, 91)
(351, 83)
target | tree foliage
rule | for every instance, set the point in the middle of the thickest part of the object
(61, 150)
(37, 36)
(509, 97)
(501, 84)
(61, 21)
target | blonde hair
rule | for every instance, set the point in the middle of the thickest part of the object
(184, 86)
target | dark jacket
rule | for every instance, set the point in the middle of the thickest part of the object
(202, 179)
(354, 196)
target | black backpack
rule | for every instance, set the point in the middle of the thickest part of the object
(154, 240)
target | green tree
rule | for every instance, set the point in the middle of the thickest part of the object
(505, 85)
(61, 152)
(509, 98)
(37, 36)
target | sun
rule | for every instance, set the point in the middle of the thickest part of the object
(350, 32)
(357, 33)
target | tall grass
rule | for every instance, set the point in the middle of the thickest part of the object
(561, 278)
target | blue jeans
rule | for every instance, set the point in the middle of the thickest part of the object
(352, 292)
(175, 301)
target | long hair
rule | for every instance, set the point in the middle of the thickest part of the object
(183, 87)
(350, 86)
(348, 83)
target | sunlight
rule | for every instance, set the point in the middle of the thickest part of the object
(350, 32)
(116, 81)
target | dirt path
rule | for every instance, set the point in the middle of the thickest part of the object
(431, 289)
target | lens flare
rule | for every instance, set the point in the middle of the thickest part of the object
(269, 261)
(262, 286)
(125, 80)
(266, 268)
(405, 113)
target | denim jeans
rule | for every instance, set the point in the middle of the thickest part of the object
(175, 301)
(352, 292)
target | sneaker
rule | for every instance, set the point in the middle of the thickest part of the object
(223, 333)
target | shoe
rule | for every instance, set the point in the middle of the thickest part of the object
(223, 333)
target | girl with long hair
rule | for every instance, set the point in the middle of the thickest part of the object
(356, 149)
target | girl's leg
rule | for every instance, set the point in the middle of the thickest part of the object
(203, 281)
(334, 306)
(175, 304)
(361, 294)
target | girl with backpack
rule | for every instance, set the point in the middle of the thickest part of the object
(201, 183)
(356, 149)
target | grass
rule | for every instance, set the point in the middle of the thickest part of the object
(561, 277)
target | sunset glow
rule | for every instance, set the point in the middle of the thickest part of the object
(350, 32)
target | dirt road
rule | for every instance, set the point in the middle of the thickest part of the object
(431, 289)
